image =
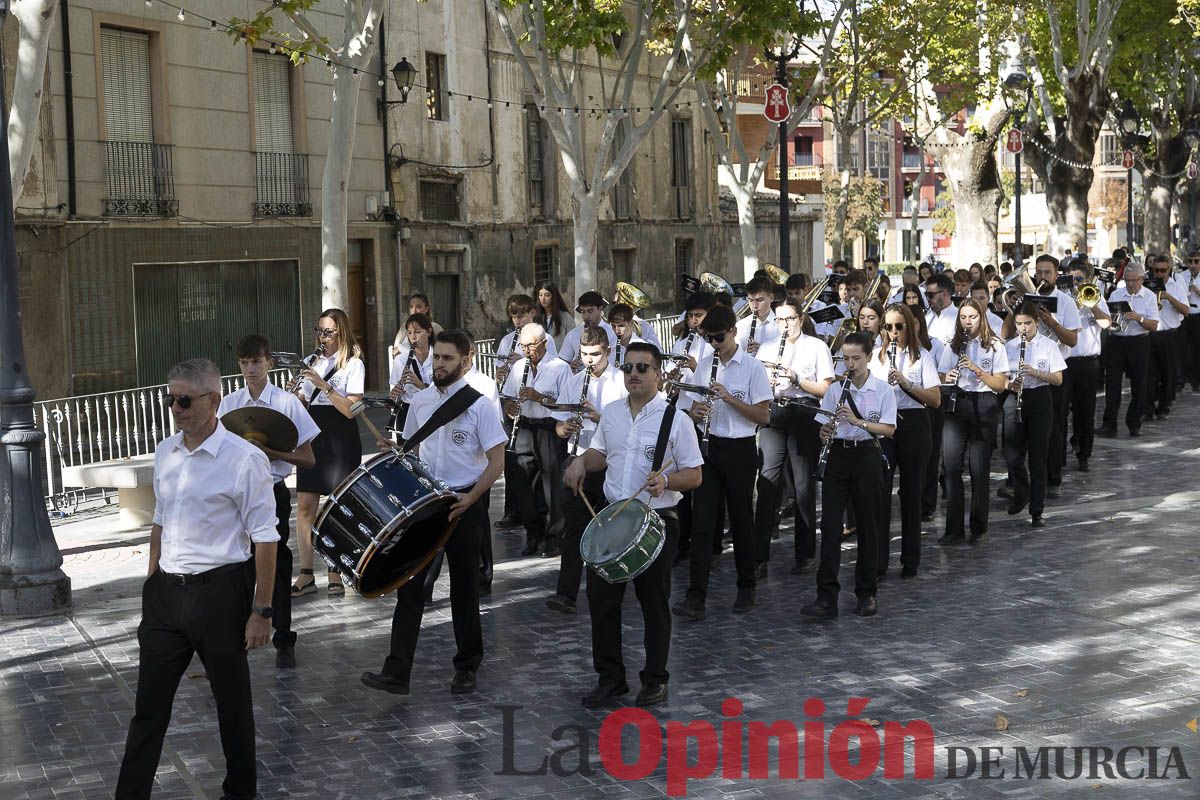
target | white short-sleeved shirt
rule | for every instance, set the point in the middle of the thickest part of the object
(1168, 318)
(698, 349)
(746, 379)
(211, 502)
(278, 400)
(810, 359)
(941, 325)
(830, 329)
(922, 372)
(627, 444)
(1144, 303)
(897, 295)
(569, 351)
(608, 387)
(766, 333)
(549, 378)
(348, 380)
(1089, 332)
(875, 401)
(1067, 315)
(457, 451)
(485, 386)
(1189, 280)
(400, 364)
(648, 334)
(1040, 353)
(993, 360)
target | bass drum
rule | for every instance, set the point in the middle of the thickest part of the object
(384, 523)
(622, 540)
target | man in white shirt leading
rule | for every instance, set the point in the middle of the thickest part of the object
(1127, 352)
(203, 592)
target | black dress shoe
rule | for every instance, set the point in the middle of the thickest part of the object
(866, 607)
(385, 683)
(1083, 465)
(744, 602)
(1018, 504)
(285, 657)
(1106, 431)
(1135, 432)
(760, 570)
(927, 517)
(803, 565)
(652, 694)
(976, 538)
(820, 609)
(952, 538)
(1054, 491)
(561, 603)
(1037, 521)
(553, 550)
(463, 682)
(689, 608)
(604, 694)
(1005, 493)
(908, 572)
(508, 522)
(531, 547)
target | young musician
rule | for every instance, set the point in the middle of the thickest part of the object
(256, 362)
(981, 294)
(1191, 325)
(1084, 364)
(970, 428)
(467, 452)
(940, 321)
(1127, 352)
(333, 383)
(538, 450)
(552, 313)
(626, 446)
(203, 592)
(863, 408)
(800, 377)
(412, 365)
(761, 322)
(604, 385)
(591, 311)
(418, 303)
(911, 371)
(1164, 350)
(742, 401)
(1029, 410)
(692, 344)
(620, 319)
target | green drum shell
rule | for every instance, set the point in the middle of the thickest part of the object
(643, 535)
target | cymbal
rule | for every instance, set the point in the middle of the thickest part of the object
(264, 425)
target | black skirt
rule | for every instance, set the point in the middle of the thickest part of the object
(338, 450)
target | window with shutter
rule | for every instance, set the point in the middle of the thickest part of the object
(281, 174)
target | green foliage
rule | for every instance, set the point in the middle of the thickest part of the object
(297, 46)
(944, 221)
(864, 205)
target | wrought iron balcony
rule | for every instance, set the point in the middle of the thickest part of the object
(282, 180)
(141, 182)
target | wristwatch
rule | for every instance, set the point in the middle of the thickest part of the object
(266, 612)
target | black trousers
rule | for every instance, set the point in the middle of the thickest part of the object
(1191, 329)
(798, 445)
(1125, 356)
(684, 510)
(852, 476)
(907, 452)
(540, 458)
(207, 618)
(929, 497)
(653, 588)
(462, 553)
(1056, 453)
(486, 561)
(281, 595)
(969, 435)
(1163, 370)
(1085, 379)
(728, 476)
(570, 568)
(1026, 443)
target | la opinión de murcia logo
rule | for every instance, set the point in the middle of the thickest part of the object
(855, 749)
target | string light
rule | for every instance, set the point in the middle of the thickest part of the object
(182, 16)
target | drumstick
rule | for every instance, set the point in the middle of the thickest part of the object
(588, 503)
(359, 410)
(653, 476)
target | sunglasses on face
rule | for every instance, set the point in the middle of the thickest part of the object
(893, 326)
(183, 400)
(326, 332)
(714, 338)
(641, 367)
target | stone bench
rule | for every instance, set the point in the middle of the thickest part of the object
(133, 478)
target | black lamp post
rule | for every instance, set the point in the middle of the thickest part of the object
(1129, 120)
(1016, 78)
(32, 582)
(403, 74)
(782, 59)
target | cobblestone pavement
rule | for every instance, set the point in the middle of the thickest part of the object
(1078, 635)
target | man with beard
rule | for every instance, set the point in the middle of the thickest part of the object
(466, 450)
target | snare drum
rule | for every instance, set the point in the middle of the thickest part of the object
(619, 547)
(384, 523)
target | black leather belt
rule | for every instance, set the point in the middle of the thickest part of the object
(200, 577)
(851, 444)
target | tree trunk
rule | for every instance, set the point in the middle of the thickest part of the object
(334, 183)
(36, 21)
(585, 218)
(747, 230)
(1067, 204)
(975, 184)
(1159, 198)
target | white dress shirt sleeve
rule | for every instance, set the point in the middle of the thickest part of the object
(685, 447)
(887, 407)
(356, 376)
(490, 431)
(256, 503)
(760, 384)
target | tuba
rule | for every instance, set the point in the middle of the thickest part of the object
(631, 296)
(712, 282)
(1015, 286)
(778, 276)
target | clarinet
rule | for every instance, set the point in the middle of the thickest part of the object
(397, 407)
(296, 380)
(753, 328)
(825, 448)
(587, 378)
(512, 437)
(1020, 377)
(712, 378)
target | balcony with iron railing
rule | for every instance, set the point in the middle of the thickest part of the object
(140, 180)
(282, 181)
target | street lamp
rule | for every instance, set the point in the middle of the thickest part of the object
(1129, 120)
(403, 74)
(781, 59)
(1014, 77)
(32, 582)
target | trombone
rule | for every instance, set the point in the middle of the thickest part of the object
(1087, 295)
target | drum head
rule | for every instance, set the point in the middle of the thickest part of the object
(610, 535)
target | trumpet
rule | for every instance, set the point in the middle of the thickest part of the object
(296, 380)
(1087, 295)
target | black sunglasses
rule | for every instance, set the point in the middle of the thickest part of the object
(184, 400)
(893, 326)
(714, 338)
(642, 368)
(327, 332)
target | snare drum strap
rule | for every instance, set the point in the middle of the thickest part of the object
(455, 405)
(664, 431)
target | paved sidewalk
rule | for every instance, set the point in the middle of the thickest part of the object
(1080, 635)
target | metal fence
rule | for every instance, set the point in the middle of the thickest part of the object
(140, 180)
(282, 181)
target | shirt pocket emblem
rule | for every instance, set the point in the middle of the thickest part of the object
(648, 453)
(873, 416)
(986, 364)
(740, 395)
(1043, 364)
(459, 437)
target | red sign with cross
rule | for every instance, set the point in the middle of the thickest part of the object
(1015, 143)
(1127, 160)
(777, 107)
